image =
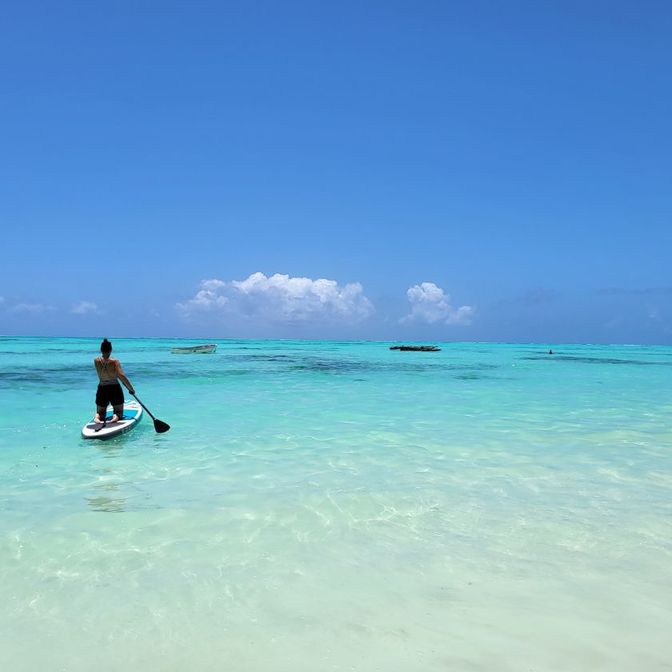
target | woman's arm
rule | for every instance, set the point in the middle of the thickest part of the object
(124, 380)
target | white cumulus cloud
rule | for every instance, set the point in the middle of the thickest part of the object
(84, 307)
(430, 304)
(209, 297)
(281, 298)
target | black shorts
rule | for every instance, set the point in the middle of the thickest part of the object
(109, 394)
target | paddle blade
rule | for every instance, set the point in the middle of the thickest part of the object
(161, 426)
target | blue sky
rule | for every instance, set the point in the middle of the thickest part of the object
(433, 170)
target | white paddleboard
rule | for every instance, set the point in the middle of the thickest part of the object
(131, 417)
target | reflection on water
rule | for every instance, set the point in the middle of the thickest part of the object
(111, 448)
(107, 504)
(108, 496)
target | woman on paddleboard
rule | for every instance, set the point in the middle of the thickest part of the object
(109, 391)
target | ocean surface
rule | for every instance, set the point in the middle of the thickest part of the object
(338, 506)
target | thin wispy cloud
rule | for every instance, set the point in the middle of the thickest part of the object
(538, 296)
(643, 291)
(281, 299)
(84, 307)
(431, 305)
(32, 308)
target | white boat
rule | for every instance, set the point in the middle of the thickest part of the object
(195, 350)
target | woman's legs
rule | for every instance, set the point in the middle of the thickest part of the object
(109, 394)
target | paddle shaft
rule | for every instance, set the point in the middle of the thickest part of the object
(145, 407)
(159, 425)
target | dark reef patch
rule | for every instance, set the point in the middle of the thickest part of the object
(594, 360)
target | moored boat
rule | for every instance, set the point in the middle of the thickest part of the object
(195, 349)
(416, 348)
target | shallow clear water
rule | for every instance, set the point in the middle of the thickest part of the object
(338, 506)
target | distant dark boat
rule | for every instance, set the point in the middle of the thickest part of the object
(195, 350)
(416, 348)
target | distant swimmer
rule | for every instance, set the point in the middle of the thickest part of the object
(550, 352)
(109, 391)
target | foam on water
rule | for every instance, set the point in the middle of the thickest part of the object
(338, 506)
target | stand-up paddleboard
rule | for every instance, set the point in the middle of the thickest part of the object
(131, 417)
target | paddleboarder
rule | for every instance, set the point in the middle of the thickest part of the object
(109, 390)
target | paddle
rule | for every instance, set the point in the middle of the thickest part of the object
(159, 425)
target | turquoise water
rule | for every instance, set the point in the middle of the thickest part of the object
(338, 506)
